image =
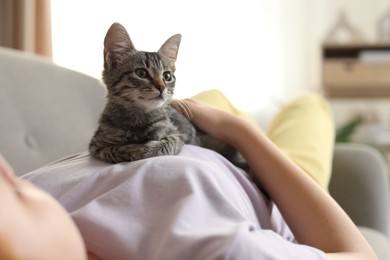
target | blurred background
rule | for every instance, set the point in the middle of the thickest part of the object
(260, 53)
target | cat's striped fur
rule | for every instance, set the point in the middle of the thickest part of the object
(138, 121)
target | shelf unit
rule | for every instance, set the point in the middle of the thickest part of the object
(356, 70)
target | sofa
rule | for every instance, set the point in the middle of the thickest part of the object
(48, 112)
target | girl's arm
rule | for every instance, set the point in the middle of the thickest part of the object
(311, 213)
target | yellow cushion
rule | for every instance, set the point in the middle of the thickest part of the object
(217, 99)
(303, 129)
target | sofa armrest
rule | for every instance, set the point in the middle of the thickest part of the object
(360, 184)
(378, 241)
(46, 111)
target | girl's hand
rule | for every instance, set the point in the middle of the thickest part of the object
(215, 122)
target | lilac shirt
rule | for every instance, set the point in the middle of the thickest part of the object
(195, 205)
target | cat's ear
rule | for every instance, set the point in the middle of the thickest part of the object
(117, 45)
(170, 48)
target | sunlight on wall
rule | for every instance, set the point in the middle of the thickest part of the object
(234, 46)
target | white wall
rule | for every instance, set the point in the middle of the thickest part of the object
(322, 15)
(232, 45)
(256, 51)
(364, 15)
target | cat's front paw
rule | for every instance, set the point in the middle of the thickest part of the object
(170, 145)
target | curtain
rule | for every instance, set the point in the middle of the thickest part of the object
(26, 25)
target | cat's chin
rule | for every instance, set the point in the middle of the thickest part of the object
(151, 104)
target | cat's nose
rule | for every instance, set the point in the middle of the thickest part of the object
(159, 84)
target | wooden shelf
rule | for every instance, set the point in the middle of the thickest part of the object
(356, 70)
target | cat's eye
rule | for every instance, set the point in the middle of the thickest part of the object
(167, 76)
(142, 73)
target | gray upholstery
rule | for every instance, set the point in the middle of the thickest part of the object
(360, 184)
(378, 241)
(48, 112)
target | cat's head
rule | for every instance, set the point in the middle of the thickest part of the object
(141, 79)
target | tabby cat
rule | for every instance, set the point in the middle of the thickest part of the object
(138, 121)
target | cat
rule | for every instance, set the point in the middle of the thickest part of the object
(138, 121)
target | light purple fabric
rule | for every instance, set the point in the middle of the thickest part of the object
(195, 205)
